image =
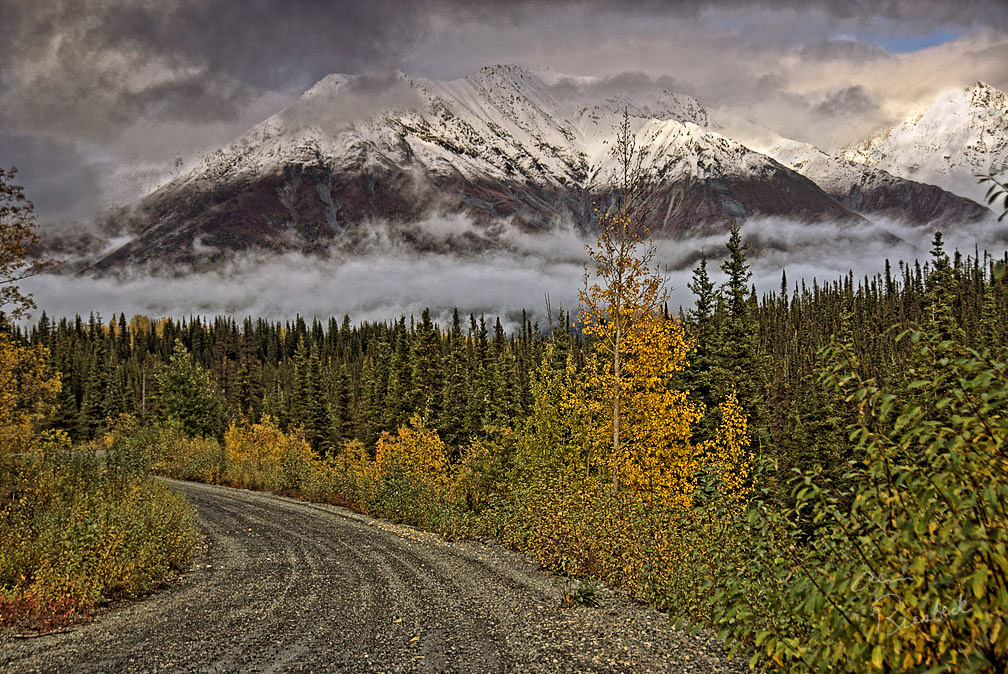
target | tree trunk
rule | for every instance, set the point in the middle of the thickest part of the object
(616, 401)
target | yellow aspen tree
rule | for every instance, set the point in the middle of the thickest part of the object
(620, 288)
(636, 352)
(657, 458)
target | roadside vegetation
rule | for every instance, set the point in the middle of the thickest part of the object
(78, 524)
(819, 475)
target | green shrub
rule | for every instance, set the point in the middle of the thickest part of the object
(909, 571)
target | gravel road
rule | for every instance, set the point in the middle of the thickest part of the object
(278, 585)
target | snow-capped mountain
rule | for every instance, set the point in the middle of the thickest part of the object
(399, 153)
(495, 145)
(963, 132)
(873, 192)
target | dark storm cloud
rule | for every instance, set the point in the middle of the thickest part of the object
(967, 14)
(627, 83)
(191, 98)
(848, 101)
(143, 81)
(65, 184)
(841, 50)
(93, 52)
(287, 45)
(150, 80)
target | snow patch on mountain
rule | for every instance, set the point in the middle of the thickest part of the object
(502, 122)
(836, 175)
(963, 132)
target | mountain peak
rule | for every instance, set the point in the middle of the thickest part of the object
(983, 95)
(982, 86)
(505, 73)
(512, 69)
(960, 134)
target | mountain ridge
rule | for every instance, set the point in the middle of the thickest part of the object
(496, 145)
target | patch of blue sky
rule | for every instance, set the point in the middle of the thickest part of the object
(901, 44)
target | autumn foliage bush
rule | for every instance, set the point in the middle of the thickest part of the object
(77, 524)
(261, 456)
(77, 528)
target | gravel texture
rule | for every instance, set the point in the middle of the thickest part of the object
(279, 585)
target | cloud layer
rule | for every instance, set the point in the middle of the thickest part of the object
(389, 281)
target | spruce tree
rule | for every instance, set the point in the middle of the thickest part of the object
(342, 407)
(502, 404)
(698, 376)
(455, 396)
(317, 423)
(300, 395)
(991, 329)
(96, 386)
(398, 407)
(479, 384)
(427, 370)
(188, 395)
(939, 294)
(309, 406)
(737, 361)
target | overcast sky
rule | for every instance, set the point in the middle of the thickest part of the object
(99, 98)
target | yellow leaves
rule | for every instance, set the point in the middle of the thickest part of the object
(28, 390)
(415, 450)
(260, 455)
(729, 452)
(263, 444)
(624, 287)
(655, 456)
(353, 460)
(628, 384)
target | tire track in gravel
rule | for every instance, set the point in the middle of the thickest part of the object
(279, 585)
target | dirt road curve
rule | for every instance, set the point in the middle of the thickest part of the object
(284, 586)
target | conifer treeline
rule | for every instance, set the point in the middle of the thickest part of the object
(339, 381)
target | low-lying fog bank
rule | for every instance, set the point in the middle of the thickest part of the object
(388, 280)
